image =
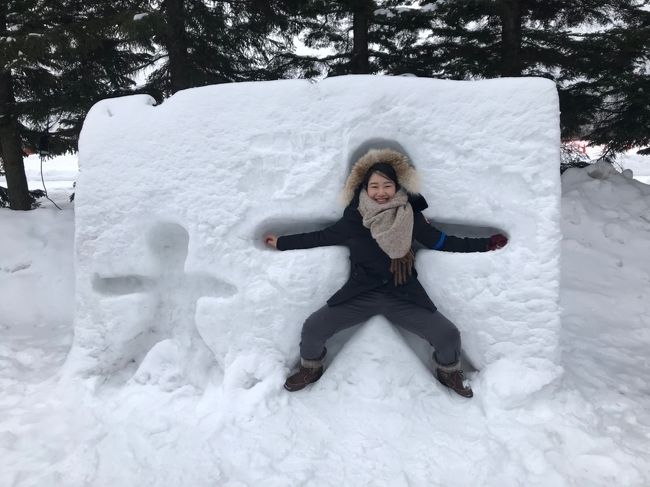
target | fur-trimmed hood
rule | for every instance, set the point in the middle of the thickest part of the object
(406, 173)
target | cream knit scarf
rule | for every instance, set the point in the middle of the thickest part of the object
(391, 225)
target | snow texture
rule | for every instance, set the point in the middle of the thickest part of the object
(174, 286)
(35, 270)
(638, 165)
(374, 423)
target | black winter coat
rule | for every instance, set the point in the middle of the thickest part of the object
(370, 266)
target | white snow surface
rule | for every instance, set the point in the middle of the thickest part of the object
(36, 282)
(638, 164)
(175, 289)
(375, 421)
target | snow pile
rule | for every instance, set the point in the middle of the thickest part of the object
(172, 202)
(35, 269)
(638, 164)
(589, 195)
(381, 418)
(36, 284)
(36, 278)
(606, 226)
(606, 313)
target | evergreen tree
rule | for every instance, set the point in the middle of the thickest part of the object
(200, 42)
(97, 60)
(346, 29)
(364, 36)
(492, 38)
(398, 38)
(21, 74)
(58, 58)
(618, 78)
(597, 81)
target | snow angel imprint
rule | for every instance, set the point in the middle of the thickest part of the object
(382, 218)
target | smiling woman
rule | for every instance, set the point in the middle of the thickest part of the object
(381, 187)
(379, 226)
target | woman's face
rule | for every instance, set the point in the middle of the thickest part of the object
(380, 188)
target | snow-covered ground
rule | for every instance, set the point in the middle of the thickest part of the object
(592, 428)
(638, 164)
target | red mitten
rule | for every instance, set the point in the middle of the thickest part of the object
(497, 241)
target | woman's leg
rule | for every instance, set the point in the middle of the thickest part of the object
(320, 326)
(329, 320)
(441, 333)
(434, 327)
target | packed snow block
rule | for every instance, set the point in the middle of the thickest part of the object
(173, 200)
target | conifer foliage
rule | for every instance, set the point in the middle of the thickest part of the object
(98, 60)
(197, 42)
(596, 51)
(355, 36)
(22, 76)
(59, 57)
(621, 87)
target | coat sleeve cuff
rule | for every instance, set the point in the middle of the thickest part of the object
(280, 244)
(441, 241)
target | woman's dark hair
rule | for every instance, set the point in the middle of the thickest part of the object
(385, 170)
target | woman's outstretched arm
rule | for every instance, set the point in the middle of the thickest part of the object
(435, 239)
(332, 235)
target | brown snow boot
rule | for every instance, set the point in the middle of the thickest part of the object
(452, 377)
(310, 371)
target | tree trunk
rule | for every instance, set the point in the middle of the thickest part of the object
(179, 69)
(12, 153)
(511, 18)
(359, 60)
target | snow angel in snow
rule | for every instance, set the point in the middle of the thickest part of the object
(382, 218)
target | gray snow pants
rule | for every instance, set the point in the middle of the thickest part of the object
(441, 333)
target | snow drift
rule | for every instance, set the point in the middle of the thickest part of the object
(173, 284)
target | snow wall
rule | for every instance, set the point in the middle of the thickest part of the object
(174, 285)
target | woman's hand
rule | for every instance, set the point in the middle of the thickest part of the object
(497, 241)
(271, 240)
